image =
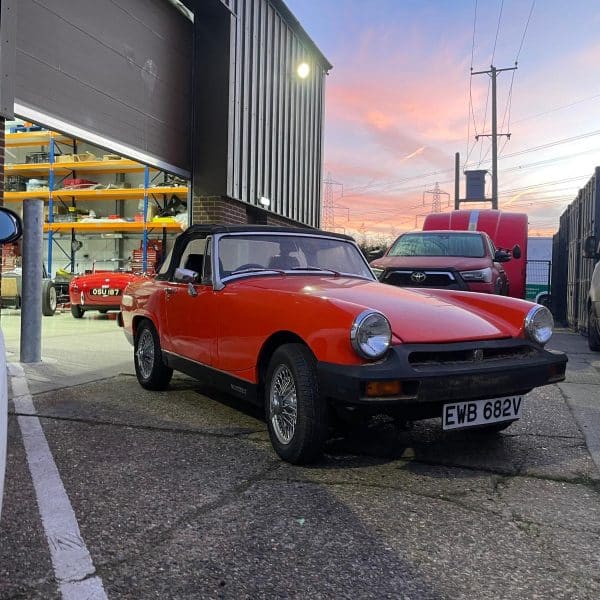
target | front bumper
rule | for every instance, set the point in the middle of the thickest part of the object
(434, 374)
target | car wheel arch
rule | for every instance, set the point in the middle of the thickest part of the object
(270, 346)
(138, 320)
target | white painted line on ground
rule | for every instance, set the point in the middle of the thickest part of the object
(70, 557)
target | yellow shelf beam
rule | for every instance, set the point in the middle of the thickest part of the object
(84, 166)
(107, 226)
(27, 169)
(112, 194)
(15, 196)
(33, 138)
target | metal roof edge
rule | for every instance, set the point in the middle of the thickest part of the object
(293, 22)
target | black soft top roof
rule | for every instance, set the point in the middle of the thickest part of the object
(212, 229)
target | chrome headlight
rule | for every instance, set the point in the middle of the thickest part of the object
(371, 334)
(483, 275)
(539, 324)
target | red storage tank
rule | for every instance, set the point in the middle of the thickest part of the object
(506, 229)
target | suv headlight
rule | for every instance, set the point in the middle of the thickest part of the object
(539, 324)
(371, 335)
(483, 275)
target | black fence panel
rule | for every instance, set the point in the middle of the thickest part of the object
(572, 271)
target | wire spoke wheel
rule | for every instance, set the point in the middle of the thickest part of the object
(145, 353)
(283, 404)
(297, 417)
(152, 373)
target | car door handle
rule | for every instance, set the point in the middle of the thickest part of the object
(170, 291)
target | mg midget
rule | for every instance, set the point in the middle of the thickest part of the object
(100, 290)
(296, 321)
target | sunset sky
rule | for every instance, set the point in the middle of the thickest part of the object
(397, 103)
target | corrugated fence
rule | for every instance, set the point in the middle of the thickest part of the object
(571, 270)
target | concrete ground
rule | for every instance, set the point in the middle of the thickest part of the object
(178, 494)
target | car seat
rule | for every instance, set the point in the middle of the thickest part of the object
(283, 262)
(194, 262)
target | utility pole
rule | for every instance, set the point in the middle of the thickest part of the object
(494, 135)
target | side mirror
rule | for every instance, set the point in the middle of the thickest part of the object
(590, 247)
(185, 275)
(502, 256)
(11, 227)
(516, 251)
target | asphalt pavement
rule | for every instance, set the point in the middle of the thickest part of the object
(178, 494)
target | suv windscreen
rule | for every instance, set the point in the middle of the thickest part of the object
(438, 244)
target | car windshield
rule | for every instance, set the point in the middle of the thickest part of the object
(438, 244)
(253, 253)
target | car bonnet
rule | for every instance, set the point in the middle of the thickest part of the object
(418, 316)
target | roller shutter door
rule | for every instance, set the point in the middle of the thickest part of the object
(117, 74)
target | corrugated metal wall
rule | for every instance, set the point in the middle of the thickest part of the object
(580, 220)
(276, 118)
(560, 256)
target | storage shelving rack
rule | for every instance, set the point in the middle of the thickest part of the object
(52, 168)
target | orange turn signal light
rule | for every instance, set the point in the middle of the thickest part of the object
(383, 388)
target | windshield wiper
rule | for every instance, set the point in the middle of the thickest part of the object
(309, 268)
(256, 270)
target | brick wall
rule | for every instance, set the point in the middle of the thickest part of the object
(223, 210)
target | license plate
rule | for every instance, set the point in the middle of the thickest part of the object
(481, 412)
(105, 292)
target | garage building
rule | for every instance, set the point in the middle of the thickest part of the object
(205, 89)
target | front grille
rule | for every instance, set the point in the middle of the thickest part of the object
(435, 279)
(468, 356)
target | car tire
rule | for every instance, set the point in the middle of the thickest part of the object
(151, 371)
(593, 330)
(77, 311)
(296, 415)
(49, 298)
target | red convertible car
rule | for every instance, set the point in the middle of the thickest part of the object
(296, 321)
(100, 290)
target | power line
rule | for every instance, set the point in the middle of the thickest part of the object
(386, 211)
(525, 30)
(497, 32)
(471, 111)
(395, 184)
(557, 108)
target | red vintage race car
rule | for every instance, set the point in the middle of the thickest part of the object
(100, 290)
(295, 320)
